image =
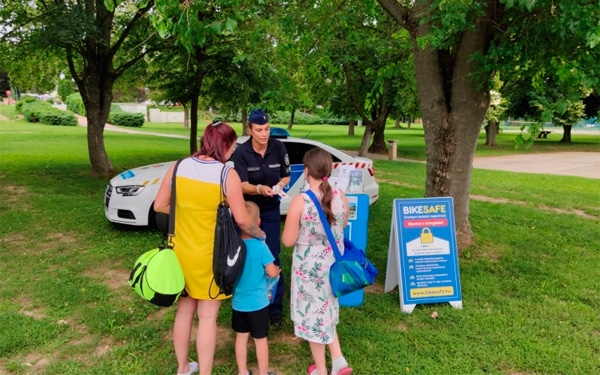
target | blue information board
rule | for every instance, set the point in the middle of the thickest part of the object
(356, 231)
(422, 256)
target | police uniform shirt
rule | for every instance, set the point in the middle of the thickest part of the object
(268, 171)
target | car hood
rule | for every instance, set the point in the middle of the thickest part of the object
(144, 175)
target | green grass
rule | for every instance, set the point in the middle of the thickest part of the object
(529, 284)
(411, 144)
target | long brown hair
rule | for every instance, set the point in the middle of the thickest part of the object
(318, 163)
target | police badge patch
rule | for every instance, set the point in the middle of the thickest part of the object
(286, 159)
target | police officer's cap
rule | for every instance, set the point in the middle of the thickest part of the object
(258, 117)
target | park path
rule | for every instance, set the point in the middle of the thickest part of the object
(82, 121)
(582, 164)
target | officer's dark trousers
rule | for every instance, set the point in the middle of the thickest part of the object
(270, 223)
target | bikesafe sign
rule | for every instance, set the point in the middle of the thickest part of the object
(422, 256)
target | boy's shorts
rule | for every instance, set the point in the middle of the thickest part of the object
(255, 322)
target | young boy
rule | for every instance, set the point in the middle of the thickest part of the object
(251, 302)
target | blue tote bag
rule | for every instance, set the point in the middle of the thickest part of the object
(353, 270)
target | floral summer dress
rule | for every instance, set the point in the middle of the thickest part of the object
(314, 308)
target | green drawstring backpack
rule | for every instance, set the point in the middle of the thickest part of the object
(157, 276)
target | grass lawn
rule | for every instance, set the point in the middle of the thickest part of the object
(530, 283)
(411, 144)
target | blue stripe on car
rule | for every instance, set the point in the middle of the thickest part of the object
(126, 175)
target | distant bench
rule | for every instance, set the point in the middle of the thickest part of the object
(544, 134)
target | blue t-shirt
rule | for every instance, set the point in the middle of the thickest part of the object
(250, 292)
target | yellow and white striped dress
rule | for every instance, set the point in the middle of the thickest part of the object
(198, 195)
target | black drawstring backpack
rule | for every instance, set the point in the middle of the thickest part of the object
(229, 253)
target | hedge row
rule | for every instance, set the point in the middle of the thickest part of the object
(117, 115)
(301, 118)
(42, 111)
(123, 118)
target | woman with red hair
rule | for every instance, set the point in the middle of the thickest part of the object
(199, 189)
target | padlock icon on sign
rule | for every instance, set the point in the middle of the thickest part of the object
(426, 236)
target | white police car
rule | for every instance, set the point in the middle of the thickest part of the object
(129, 197)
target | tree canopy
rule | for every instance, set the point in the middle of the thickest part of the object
(99, 41)
(458, 48)
(347, 55)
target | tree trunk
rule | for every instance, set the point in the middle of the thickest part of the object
(566, 138)
(244, 121)
(198, 78)
(95, 137)
(397, 124)
(292, 115)
(491, 129)
(453, 103)
(90, 59)
(378, 146)
(194, 121)
(375, 124)
(96, 93)
(364, 144)
(408, 123)
(186, 116)
(351, 124)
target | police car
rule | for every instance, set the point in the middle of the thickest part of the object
(129, 197)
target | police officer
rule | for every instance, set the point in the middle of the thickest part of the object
(264, 168)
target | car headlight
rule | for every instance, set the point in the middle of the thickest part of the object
(129, 190)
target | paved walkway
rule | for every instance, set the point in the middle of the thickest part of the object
(82, 121)
(582, 164)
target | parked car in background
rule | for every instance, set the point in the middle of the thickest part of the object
(129, 197)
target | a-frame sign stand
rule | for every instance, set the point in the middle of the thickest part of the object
(422, 254)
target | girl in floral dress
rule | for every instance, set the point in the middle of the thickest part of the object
(314, 308)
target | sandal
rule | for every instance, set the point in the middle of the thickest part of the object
(311, 368)
(345, 371)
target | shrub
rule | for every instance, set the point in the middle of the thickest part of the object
(122, 118)
(31, 109)
(283, 117)
(23, 101)
(75, 104)
(42, 111)
(58, 117)
(335, 121)
(300, 118)
(119, 117)
(330, 118)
